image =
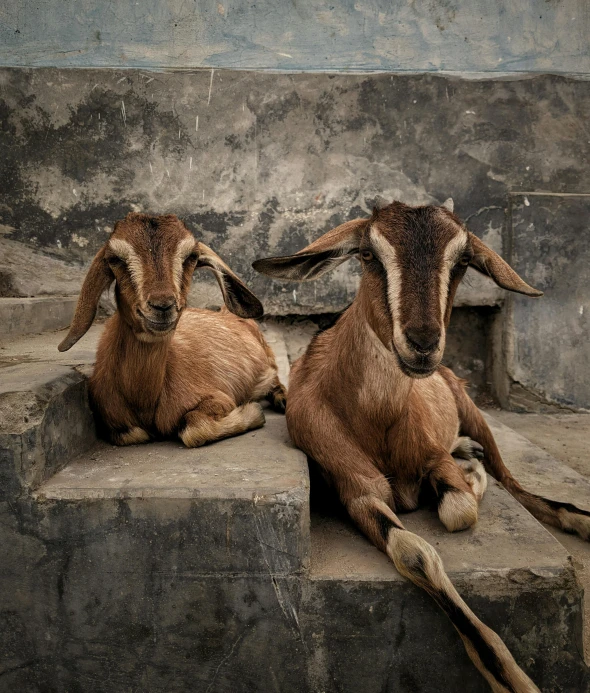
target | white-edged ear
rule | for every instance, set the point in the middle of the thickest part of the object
(325, 253)
(449, 204)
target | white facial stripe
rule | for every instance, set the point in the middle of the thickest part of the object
(388, 257)
(125, 251)
(452, 251)
(183, 250)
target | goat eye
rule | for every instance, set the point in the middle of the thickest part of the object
(115, 261)
(367, 255)
(190, 258)
(465, 260)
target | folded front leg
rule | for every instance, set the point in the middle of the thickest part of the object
(456, 497)
(216, 417)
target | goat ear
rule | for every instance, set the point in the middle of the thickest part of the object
(488, 262)
(324, 254)
(237, 296)
(99, 278)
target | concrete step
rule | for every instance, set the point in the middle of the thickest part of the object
(44, 422)
(240, 506)
(20, 316)
(537, 470)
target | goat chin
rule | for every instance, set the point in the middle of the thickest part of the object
(153, 338)
(411, 371)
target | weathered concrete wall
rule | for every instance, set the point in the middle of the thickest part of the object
(522, 35)
(549, 352)
(261, 164)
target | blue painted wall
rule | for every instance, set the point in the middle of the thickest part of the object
(496, 36)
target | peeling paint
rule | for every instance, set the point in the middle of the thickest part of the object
(346, 35)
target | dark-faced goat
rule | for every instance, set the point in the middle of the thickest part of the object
(163, 369)
(370, 402)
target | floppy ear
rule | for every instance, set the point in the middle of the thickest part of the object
(99, 278)
(490, 263)
(237, 296)
(324, 254)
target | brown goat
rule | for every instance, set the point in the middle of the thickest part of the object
(163, 369)
(370, 403)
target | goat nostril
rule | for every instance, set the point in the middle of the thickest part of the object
(424, 340)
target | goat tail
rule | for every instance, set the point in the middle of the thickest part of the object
(418, 561)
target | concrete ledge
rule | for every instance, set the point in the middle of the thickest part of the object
(537, 470)
(20, 316)
(44, 422)
(238, 506)
(165, 569)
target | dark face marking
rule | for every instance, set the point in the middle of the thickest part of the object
(413, 260)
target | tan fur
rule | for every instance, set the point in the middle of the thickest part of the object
(475, 475)
(133, 436)
(205, 429)
(163, 369)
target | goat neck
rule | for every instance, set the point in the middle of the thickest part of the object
(141, 364)
(361, 353)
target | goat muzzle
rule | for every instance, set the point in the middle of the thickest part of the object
(159, 319)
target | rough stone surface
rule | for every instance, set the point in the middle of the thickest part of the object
(44, 422)
(277, 159)
(565, 437)
(136, 568)
(243, 501)
(42, 348)
(343, 35)
(537, 470)
(26, 271)
(19, 316)
(550, 247)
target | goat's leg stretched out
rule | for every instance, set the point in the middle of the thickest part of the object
(418, 561)
(368, 497)
(565, 516)
(216, 417)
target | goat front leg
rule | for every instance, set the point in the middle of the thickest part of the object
(217, 417)
(368, 497)
(459, 486)
(418, 561)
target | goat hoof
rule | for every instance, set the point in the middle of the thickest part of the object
(477, 450)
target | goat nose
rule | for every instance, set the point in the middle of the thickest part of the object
(424, 340)
(161, 304)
